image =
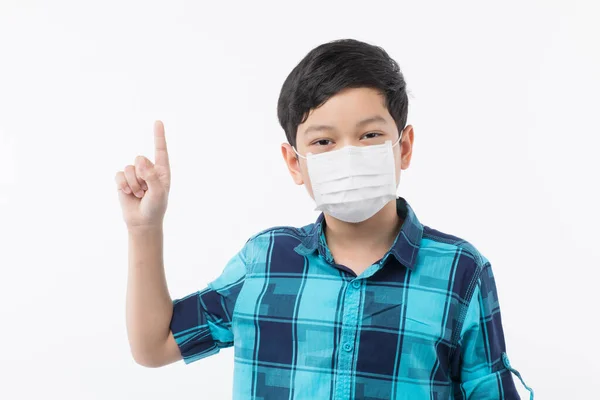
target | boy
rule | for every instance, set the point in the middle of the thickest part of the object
(365, 303)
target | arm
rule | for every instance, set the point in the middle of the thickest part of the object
(484, 370)
(148, 304)
(143, 193)
(201, 323)
(162, 331)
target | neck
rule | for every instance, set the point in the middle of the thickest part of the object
(377, 232)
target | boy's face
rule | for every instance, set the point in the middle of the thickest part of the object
(342, 114)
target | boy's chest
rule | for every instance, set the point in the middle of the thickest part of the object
(312, 315)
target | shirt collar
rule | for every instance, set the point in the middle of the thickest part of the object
(404, 249)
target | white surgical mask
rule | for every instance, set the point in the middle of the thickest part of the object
(353, 183)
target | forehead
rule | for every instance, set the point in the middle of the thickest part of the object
(348, 107)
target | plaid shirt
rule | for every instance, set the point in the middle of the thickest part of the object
(421, 323)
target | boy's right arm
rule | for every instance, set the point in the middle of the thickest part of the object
(161, 331)
(191, 327)
(143, 193)
(149, 306)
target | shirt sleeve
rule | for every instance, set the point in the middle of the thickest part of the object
(484, 369)
(201, 321)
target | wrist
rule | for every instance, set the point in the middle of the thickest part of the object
(142, 230)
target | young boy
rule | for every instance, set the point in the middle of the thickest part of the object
(364, 303)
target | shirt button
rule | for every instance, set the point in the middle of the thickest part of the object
(348, 346)
(356, 284)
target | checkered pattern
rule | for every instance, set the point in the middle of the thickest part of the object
(422, 323)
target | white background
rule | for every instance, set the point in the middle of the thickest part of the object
(504, 104)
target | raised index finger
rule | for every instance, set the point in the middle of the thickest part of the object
(161, 157)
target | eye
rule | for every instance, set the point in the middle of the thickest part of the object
(321, 142)
(371, 135)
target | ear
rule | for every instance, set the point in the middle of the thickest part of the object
(292, 162)
(406, 146)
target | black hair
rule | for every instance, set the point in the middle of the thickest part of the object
(331, 67)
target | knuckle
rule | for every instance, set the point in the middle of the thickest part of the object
(131, 179)
(133, 183)
(143, 162)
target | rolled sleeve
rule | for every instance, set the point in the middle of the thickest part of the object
(484, 372)
(201, 321)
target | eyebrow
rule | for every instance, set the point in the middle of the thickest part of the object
(366, 121)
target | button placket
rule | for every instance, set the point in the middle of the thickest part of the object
(348, 338)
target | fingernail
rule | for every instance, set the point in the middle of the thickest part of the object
(144, 186)
(127, 190)
(140, 194)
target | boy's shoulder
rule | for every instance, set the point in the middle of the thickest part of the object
(281, 236)
(453, 258)
(300, 232)
(433, 238)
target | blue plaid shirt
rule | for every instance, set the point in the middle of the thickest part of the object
(421, 323)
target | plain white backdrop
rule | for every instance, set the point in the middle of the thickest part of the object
(504, 105)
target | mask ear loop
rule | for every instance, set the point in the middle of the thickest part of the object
(298, 154)
(399, 139)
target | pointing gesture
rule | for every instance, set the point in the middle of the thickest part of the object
(161, 157)
(144, 187)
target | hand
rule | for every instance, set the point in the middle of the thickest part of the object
(144, 187)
